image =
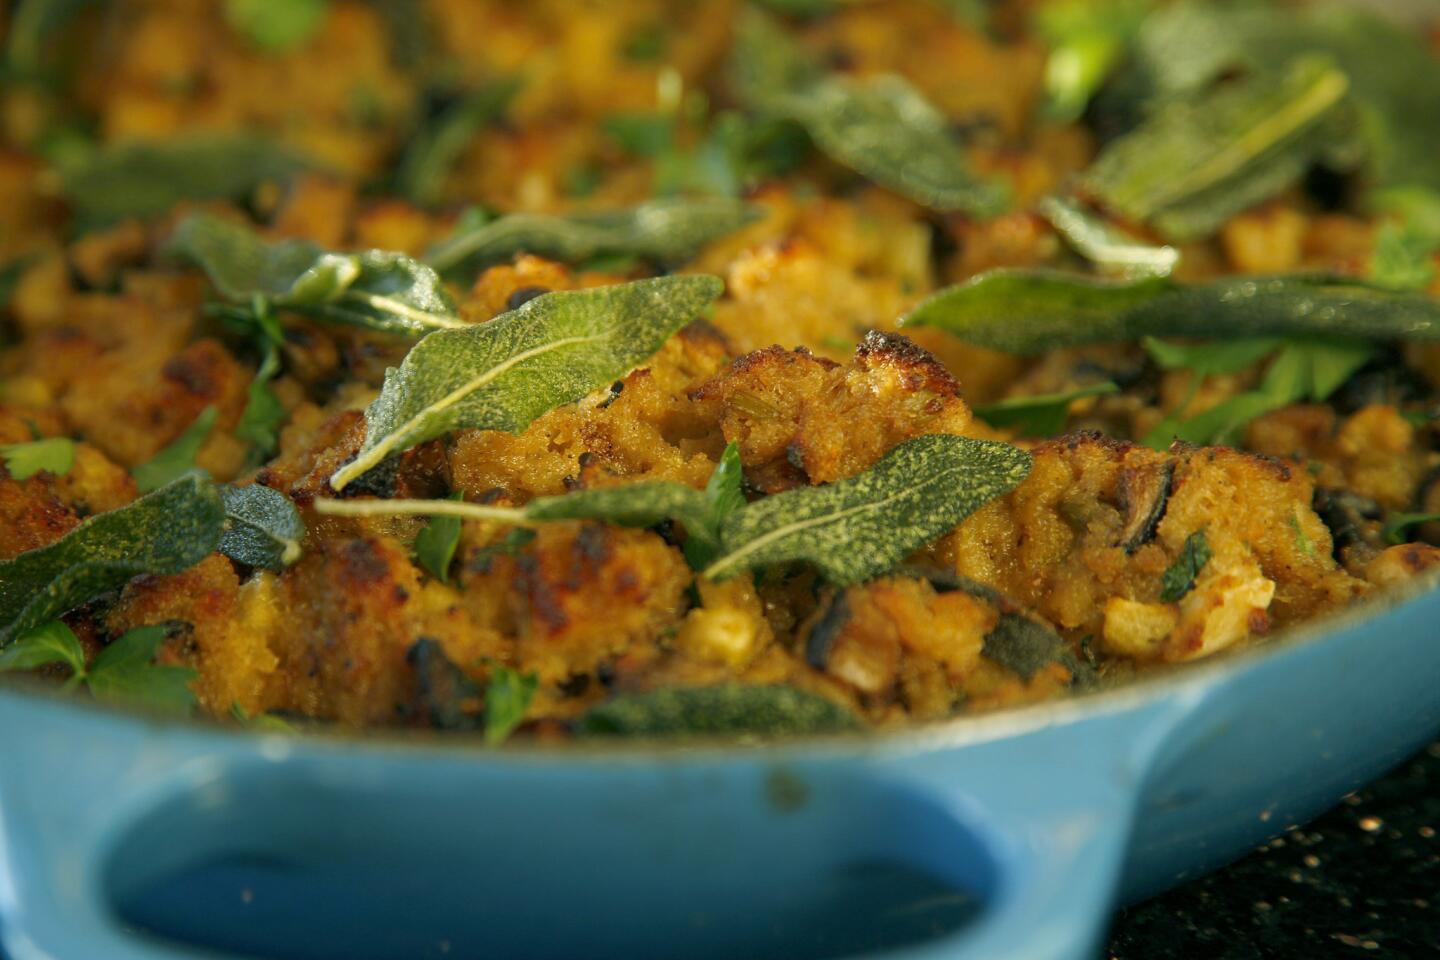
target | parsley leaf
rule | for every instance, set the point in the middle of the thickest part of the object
(24, 460)
(179, 457)
(507, 697)
(723, 496)
(1404, 257)
(1039, 416)
(1179, 577)
(125, 672)
(48, 643)
(435, 544)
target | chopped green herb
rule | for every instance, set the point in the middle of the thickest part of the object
(435, 544)
(264, 722)
(276, 26)
(53, 454)
(1211, 358)
(1303, 542)
(507, 697)
(125, 672)
(264, 414)
(1397, 523)
(48, 643)
(1179, 577)
(1404, 257)
(433, 151)
(1088, 40)
(1041, 415)
(179, 457)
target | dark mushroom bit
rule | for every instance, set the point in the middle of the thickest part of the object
(652, 368)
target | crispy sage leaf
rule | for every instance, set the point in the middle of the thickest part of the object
(663, 230)
(179, 457)
(1041, 415)
(1194, 165)
(1179, 577)
(725, 709)
(145, 179)
(1031, 311)
(1028, 646)
(262, 527)
(856, 528)
(376, 288)
(1104, 244)
(164, 532)
(125, 673)
(503, 374)
(881, 127)
(24, 460)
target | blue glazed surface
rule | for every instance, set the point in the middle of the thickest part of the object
(1005, 836)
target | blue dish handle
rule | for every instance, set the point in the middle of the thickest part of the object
(1050, 807)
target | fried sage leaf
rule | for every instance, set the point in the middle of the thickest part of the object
(668, 230)
(164, 532)
(1031, 311)
(1042, 415)
(262, 527)
(179, 457)
(1194, 165)
(856, 528)
(145, 179)
(645, 504)
(503, 374)
(24, 460)
(376, 289)
(880, 127)
(1104, 244)
(724, 709)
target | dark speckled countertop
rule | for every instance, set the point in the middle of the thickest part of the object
(1361, 881)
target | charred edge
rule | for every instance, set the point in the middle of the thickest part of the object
(445, 698)
(822, 636)
(1144, 495)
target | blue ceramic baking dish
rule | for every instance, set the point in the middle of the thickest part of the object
(1005, 836)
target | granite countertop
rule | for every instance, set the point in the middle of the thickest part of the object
(1361, 881)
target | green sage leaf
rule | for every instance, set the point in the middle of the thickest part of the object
(49, 643)
(1194, 165)
(1032, 311)
(436, 542)
(24, 460)
(276, 26)
(145, 179)
(503, 374)
(507, 697)
(179, 457)
(1179, 577)
(862, 526)
(124, 673)
(726, 709)
(165, 532)
(661, 230)
(377, 289)
(1104, 244)
(1042, 415)
(262, 527)
(880, 127)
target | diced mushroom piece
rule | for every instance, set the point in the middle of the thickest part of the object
(1144, 494)
(1226, 606)
(1137, 629)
